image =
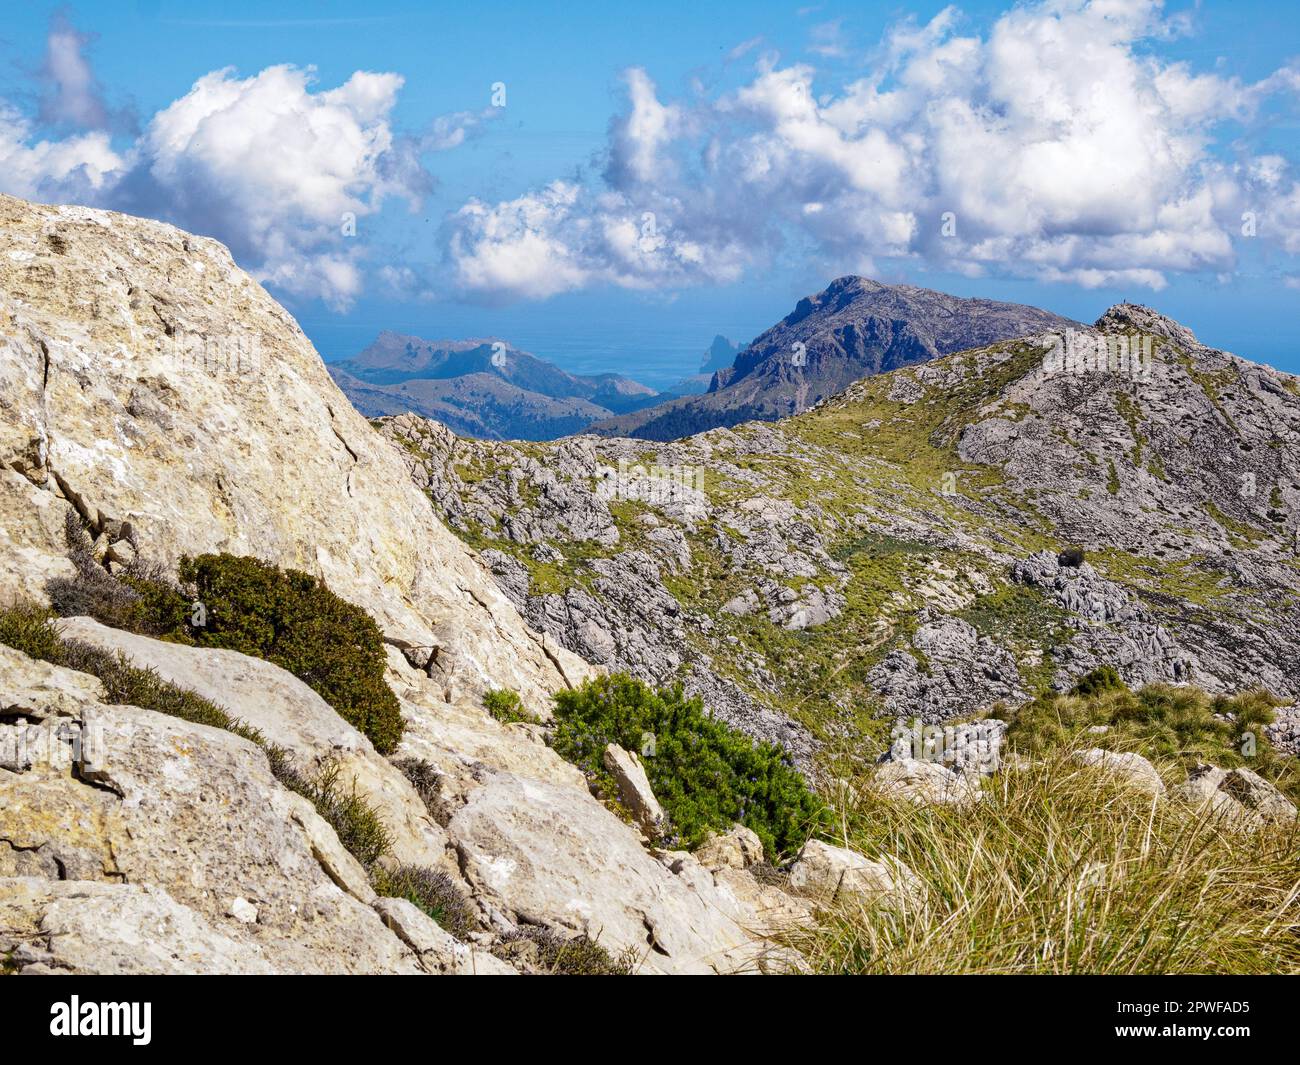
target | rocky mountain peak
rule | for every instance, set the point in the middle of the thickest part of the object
(1127, 317)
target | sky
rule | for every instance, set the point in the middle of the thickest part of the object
(608, 186)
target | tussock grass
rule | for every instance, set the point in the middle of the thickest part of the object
(1060, 870)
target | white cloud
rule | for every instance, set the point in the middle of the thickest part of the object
(1063, 146)
(72, 94)
(277, 171)
(283, 172)
(74, 168)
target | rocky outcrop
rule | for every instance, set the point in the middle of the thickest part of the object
(949, 669)
(634, 789)
(150, 386)
(147, 379)
(1239, 795)
(291, 716)
(124, 796)
(832, 875)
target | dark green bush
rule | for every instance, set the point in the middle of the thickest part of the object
(505, 705)
(1101, 679)
(433, 891)
(287, 618)
(706, 775)
(1073, 557)
(284, 616)
(292, 619)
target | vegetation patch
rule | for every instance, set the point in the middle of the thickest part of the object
(243, 604)
(546, 952)
(432, 891)
(706, 775)
(1180, 726)
(506, 706)
(1058, 870)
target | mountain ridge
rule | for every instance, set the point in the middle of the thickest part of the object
(900, 545)
(853, 327)
(482, 387)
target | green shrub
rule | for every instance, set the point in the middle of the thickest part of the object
(433, 891)
(283, 616)
(505, 705)
(30, 629)
(706, 775)
(292, 619)
(1101, 679)
(1073, 557)
(359, 828)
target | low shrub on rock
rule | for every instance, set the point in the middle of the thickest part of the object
(705, 774)
(31, 630)
(505, 705)
(139, 598)
(359, 828)
(543, 951)
(292, 619)
(433, 891)
(243, 604)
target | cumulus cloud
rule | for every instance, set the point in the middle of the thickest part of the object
(1059, 146)
(77, 168)
(284, 172)
(280, 172)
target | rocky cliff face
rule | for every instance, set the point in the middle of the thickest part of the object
(854, 328)
(150, 385)
(901, 549)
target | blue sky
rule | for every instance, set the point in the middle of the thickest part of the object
(661, 173)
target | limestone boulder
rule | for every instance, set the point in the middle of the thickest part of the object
(737, 848)
(1238, 795)
(438, 950)
(832, 874)
(634, 789)
(290, 715)
(194, 812)
(148, 379)
(924, 783)
(88, 927)
(1128, 769)
(540, 854)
